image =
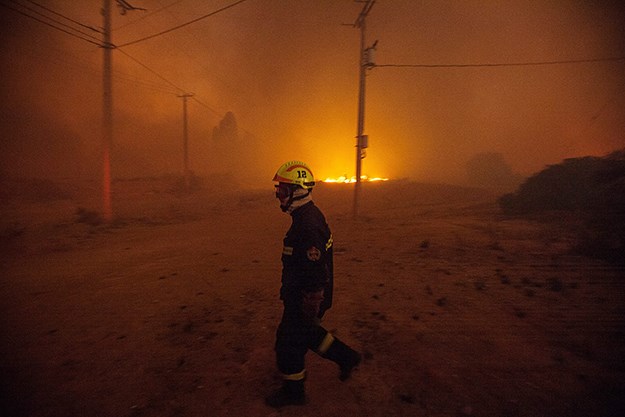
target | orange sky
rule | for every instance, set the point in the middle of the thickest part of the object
(288, 70)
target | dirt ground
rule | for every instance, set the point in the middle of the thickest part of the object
(171, 310)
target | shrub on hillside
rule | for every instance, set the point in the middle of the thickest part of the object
(592, 187)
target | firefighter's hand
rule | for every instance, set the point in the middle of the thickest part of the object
(311, 303)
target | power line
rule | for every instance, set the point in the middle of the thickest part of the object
(63, 16)
(56, 21)
(136, 82)
(199, 63)
(53, 26)
(212, 110)
(512, 64)
(117, 74)
(182, 25)
(153, 72)
(148, 15)
(125, 7)
(183, 91)
(61, 58)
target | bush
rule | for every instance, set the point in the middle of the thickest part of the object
(89, 217)
(593, 188)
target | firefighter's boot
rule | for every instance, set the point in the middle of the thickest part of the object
(291, 393)
(345, 357)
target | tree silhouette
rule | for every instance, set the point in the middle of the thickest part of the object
(489, 169)
(227, 131)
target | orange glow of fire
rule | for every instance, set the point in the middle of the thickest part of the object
(350, 180)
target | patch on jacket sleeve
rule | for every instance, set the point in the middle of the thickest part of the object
(329, 242)
(313, 254)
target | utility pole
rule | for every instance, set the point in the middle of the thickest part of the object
(107, 128)
(365, 63)
(185, 139)
(107, 105)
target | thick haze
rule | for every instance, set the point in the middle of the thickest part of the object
(288, 71)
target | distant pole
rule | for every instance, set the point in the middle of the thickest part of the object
(363, 65)
(107, 136)
(185, 139)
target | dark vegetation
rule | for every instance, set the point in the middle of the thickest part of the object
(591, 189)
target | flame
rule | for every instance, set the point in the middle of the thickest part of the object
(349, 180)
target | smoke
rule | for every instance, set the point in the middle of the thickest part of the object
(288, 72)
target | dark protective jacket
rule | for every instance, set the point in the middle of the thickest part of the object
(307, 263)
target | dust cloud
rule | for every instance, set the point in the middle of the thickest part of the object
(459, 307)
(288, 73)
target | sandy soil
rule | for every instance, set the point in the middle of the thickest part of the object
(171, 310)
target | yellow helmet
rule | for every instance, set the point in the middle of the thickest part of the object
(297, 173)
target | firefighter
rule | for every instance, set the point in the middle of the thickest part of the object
(306, 291)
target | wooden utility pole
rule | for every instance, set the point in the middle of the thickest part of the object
(185, 139)
(365, 63)
(107, 128)
(107, 104)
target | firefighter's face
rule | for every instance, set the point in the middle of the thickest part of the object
(283, 192)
